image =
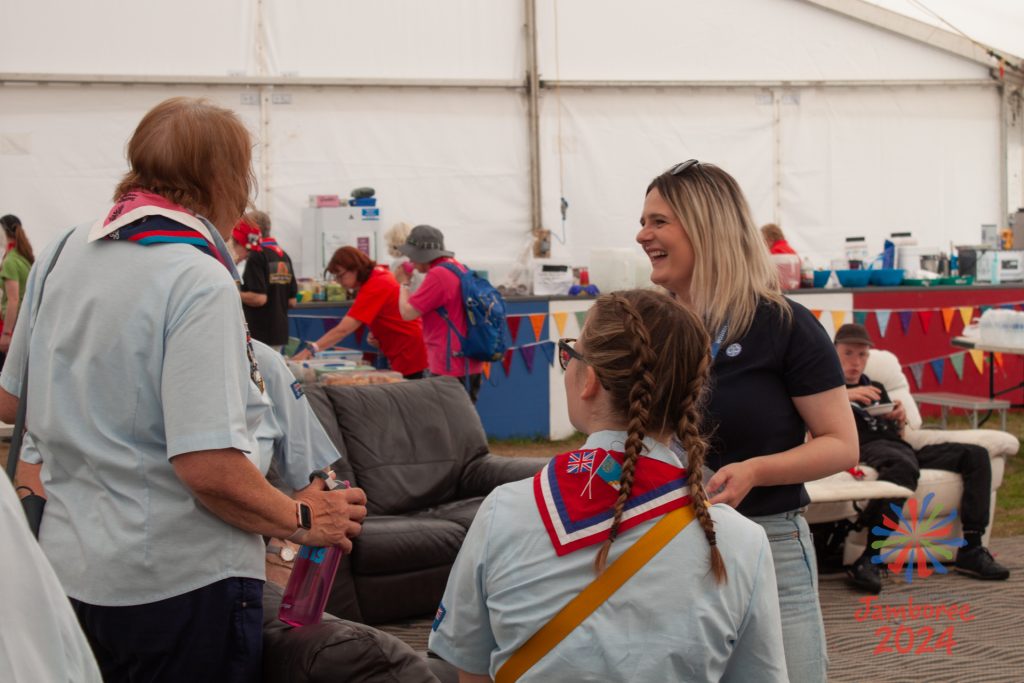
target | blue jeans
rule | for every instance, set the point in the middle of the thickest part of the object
(803, 631)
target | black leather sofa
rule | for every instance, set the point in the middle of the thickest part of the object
(419, 451)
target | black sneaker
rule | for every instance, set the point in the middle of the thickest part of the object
(979, 563)
(865, 574)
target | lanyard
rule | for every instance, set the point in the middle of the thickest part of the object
(719, 338)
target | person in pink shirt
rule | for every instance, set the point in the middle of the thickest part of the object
(439, 292)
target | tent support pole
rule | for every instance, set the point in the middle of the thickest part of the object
(541, 242)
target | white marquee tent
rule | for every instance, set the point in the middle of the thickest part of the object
(838, 117)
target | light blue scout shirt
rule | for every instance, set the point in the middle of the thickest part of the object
(669, 622)
(290, 435)
(138, 355)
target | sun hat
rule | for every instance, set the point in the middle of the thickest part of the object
(852, 333)
(424, 244)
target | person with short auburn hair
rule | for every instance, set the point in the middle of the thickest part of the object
(376, 306)
(142, 402)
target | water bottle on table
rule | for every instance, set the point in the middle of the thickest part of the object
(311, 580)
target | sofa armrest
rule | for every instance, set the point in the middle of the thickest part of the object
(334, 650)
(485, 473)
(999, 444)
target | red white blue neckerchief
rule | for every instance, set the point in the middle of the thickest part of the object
(576, 491)
(271, 244)
(146, 218)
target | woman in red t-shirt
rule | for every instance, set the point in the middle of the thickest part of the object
(376, 306)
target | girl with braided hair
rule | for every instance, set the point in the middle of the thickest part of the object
(776, 379)
(703, 608)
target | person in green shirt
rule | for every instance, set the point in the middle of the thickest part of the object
(13, 274)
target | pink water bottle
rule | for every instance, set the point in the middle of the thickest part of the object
(310, 583)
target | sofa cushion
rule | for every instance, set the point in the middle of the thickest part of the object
(408, 442)
(461, 512)
(389, 545)
(324, 412)
(334, 650)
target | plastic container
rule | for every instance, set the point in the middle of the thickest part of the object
(311, 581)
(886, 277)
(788, 266)
(821, 278)
(854, 278)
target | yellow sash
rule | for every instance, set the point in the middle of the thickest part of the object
(591, 597)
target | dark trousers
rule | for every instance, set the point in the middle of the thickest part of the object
(214, 633)
(897, 462)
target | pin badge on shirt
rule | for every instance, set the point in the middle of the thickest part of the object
(733, 350)
(297, 389)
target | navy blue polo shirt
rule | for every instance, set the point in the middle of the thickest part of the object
(753, 382)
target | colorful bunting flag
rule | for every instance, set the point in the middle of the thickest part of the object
(966, 313)
(860, 317)
(999, 359)
(513, 326)
(837, 319)
(883, 320)
(537, 321)
(528, 352)
(918, 370)
(979, 360)
(817, 313)
(560, 319)
(905, 317)
(926, 319)
(486, 369)
(548, 348)
(506, 363)
(947, 317)
(938, 367)
(581, 317)
(957, 360)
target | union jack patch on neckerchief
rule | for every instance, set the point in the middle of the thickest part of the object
(579, 462)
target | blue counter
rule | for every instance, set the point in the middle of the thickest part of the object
(528, 399)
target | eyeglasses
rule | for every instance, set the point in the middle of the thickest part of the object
(567, 353)
(680, 169)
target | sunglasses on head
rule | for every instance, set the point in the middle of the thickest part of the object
(680, 169)
(567, 353)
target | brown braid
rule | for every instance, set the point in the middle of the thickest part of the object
(688, 433)
(640, 397)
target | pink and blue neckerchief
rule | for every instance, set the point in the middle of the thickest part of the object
(157, 228)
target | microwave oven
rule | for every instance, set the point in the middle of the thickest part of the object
(1010, 266)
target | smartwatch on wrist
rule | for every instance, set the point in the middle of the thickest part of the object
(304, 519)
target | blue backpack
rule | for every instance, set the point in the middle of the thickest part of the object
(487, 335)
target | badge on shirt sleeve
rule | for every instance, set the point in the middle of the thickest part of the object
(297, 389)
(439, 617)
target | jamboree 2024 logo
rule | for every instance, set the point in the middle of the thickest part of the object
(922, 538)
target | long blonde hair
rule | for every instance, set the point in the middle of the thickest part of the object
(732, 270)
(651, 354)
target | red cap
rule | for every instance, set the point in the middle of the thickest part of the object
(247, 235)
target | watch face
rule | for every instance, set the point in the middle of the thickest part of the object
(305, 516)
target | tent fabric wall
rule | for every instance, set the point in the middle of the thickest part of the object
(826, 158)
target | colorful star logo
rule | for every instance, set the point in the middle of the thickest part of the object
(916, 537)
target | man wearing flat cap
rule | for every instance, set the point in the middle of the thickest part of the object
(882, 447)
(439, 295)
